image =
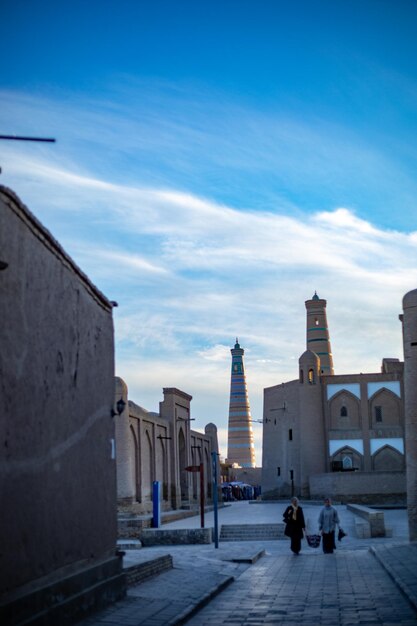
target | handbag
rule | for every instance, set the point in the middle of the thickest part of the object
(341, 534)
(313, 540)
(287, 530)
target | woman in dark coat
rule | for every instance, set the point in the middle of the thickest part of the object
(295, 525)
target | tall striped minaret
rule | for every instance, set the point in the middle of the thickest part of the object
(240, 446)
(318, 338)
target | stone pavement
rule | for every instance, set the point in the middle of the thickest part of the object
(366, 581)
(346, 588)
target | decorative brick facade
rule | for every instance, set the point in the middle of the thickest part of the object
(324, 423)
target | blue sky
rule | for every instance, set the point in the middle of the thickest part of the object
(217, 162)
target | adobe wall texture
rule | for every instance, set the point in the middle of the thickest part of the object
(280, 455)
(57, 474)
(365, 487)
(249, 475)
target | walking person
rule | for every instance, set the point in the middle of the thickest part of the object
(328, 519)
(295, 525)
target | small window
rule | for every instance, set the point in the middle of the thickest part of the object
(290, 434)
(316, 321)
(347, 462)
(311, 376)
(292, 474)
(278, 471)
(343, 412)
(301, 376)
(378, 413)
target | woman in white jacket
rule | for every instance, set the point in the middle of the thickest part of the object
(328, 519)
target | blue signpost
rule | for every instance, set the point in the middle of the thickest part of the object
(156, 500)
(215, 499)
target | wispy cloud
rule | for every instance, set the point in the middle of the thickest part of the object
(191, 271)
(194, 140)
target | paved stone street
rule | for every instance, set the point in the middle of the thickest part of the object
(366, 581)
(345, 588)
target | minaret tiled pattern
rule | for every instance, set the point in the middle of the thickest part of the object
(240, 447)
(318, 338)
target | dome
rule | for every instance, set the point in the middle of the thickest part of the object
(410, 299)
(121, 386)
(309, 357)
(315, 297)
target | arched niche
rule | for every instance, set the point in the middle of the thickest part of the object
(344, 411)
(387, 459)
(134, 462)
(384, 409)
(208, 477)
(183, 462)
(346, 459)
(147, 465)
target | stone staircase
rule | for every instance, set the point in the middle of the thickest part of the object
(252, 532)
(68, 599)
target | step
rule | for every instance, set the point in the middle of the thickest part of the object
(251, 532)
(69, 599)
(140, 572)
(174, 536)
(129, 544)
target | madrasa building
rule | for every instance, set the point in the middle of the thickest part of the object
(328, 434)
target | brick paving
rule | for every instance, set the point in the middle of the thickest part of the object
(345, 588)
(400, 561)
(372, 581)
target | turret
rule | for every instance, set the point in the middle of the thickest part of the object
(126, 487)
(409, 320)
(312, 439)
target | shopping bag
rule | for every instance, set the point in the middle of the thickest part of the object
(313, 540)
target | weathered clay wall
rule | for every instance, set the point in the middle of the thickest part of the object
(249, 475)
(409, 319)
(279, 454)
(58, 479)
(146, 444)
(366, 487)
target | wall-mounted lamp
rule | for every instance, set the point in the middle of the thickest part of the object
(185, 419)
(3, 265)
(120, 407)
(162, 437)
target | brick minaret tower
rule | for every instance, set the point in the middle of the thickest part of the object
(318, 338)
(240, 446)
(314, 363)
